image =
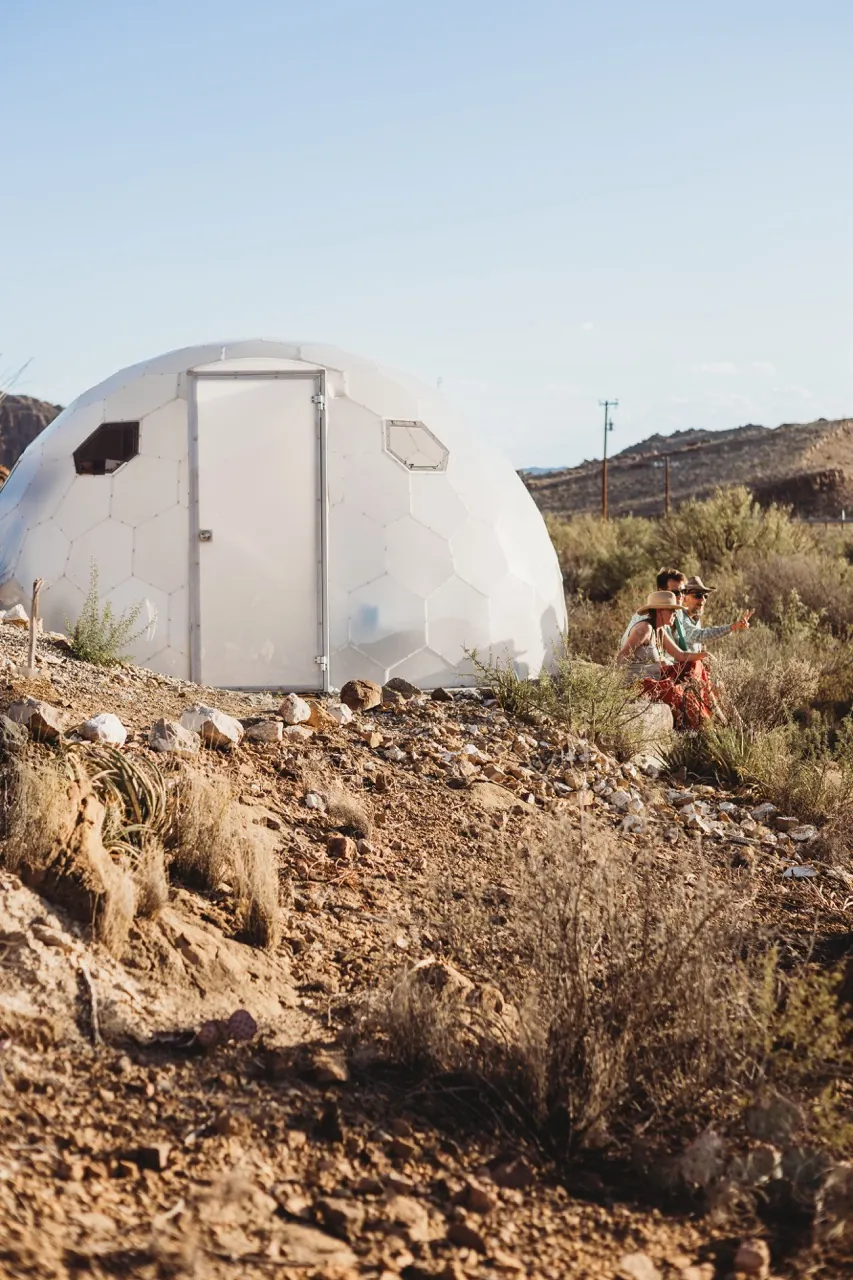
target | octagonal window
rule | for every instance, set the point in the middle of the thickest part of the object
(415, 446)
(107, 449)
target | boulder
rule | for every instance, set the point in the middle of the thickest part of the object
(441, 695)
(404, 687)
(294, 710)
(44, 722)
(214, 727)
(361, 695)
(265, 731)
(104, 728)
(16, 616)
(13, 737)
(168, 735)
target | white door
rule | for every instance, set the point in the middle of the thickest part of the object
(259, 562)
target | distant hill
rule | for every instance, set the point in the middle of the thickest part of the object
(807, 465)
(21, 419)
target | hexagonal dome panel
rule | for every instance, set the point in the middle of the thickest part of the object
(477, 555)
(161, 549)
(387, 621)
(47, 548)
(179, 620)
(357, 552)
(86, 504)
(143, 488)
(377, 486)
(458, 618)
(437, 505)
(163, 433)
(153, 620)
(417, 557)
(110, 545)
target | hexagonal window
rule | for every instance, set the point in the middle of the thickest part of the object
(414, 445)
(107, 449)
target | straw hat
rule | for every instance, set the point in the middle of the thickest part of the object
(661, 600)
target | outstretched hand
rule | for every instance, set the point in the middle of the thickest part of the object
(742, 623)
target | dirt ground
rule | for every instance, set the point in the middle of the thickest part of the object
(126, 1152)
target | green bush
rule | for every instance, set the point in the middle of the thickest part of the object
(98, 635)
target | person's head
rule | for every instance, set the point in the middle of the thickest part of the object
(671, 580)
(695, 596)
(660, 608)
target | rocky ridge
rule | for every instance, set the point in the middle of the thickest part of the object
(132, 1154)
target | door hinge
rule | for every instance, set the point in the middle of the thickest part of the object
(319, 400)
(322, 661)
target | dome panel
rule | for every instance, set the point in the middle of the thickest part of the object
(12, 535)
(378, 486)
(48, 487)
(171, 662)
(424, 668)
(357, 550)
(60, 605)
(436, 505)
(161, 548)
(387, 621)
(458, 618)
(516, 629)
(20, 477)
(477, 555)
(67, 432)
(143, 488)
(45, 552)
(110, 545)
(353, 429)
(163, 433)
(153, 620)
(179, 621)
(139, 397)
(336, 469)
(349, 664)
(86, 504)
(417, 557)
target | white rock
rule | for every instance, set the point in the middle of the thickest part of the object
(266, 731)
(294, 710)
(104, 728)
(168, 736)
(17, 616)
(214, 727)
(633, 825)
(638, 1266)
(314, 801)
(679, 798)
(395, 755)
(340, 712)
(300, 731)
(621, 801)
(801, 835)
(764, 811)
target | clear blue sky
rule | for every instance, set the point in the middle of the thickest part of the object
(542, 203)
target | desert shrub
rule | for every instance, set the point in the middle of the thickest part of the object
(762, 683)
(807, 584)
(205, 837)
(599, 557)
(257, 888)
(593, 631)
(639, 1006)
(99, 635)
(36, 814)
(712, 532)
(593, 701)
(149, 877)
(347, 812)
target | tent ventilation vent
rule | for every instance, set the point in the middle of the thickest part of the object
(415, 446)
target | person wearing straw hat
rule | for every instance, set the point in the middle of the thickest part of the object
(652, 656)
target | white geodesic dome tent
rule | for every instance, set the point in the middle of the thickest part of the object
(290, 515)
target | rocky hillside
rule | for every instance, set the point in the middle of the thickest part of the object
(176, 1102)
(809, 465)
(21, 420)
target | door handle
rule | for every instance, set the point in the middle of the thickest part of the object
(205, 535)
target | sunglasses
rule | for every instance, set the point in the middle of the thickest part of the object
(697, 595)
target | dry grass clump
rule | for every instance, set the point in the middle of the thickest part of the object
(36, 817)
(150, 878)
(205, 836)
(258, 897)
(347, 812)
(640, 1007)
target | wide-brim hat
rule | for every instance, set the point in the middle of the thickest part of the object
(661, 600)
(696, 584)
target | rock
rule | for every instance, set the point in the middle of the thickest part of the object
(404, 1211)
(313, 800)
(476, 1198)
(341, 848)
(786, 823)
(303, 1246)
(491, 797)
(752, 1259)
(441, 695)
(13, 737)
(169, 736)
(154, 1157)
(302, 732)
(339, 712)
(775, 1119)
(398, 685)
(633, 825)
(104, 728)
(620, 800)
(43, 722)
(344, 1218)
(802, 835)
(637, 1266)
(294, 710)
(16, 616)
(678, 799)
(764, 812)
(395, 755)
(464, 1236)
(361, 695)
(516, 1175)
(329, 1067)
(834, 1210)
(266, 731)
(215, 728)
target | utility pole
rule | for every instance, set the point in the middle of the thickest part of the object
(608, 426)
(666, 499)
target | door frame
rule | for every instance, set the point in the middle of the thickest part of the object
(318, 378)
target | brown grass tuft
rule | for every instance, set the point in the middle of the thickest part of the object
(348, 813)
(150, 878)
(206, 837)
(37, 816)
(258, 897)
